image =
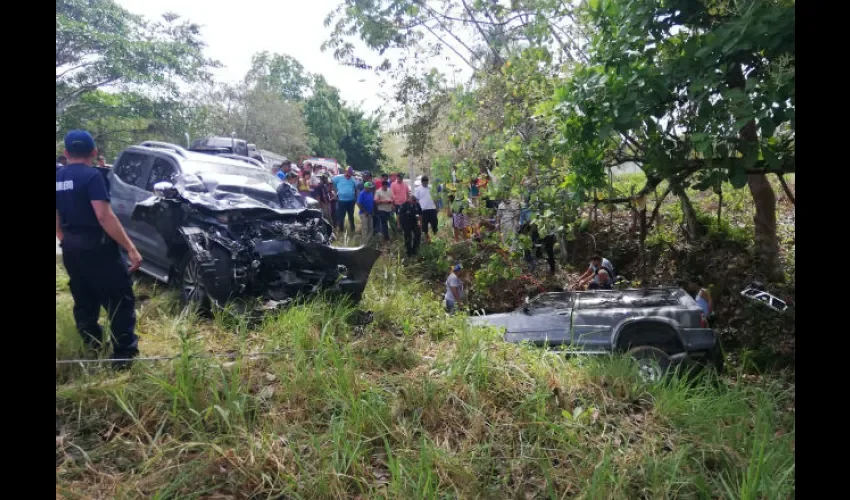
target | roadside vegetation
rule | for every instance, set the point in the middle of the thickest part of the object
(303, 404)
(415, 405)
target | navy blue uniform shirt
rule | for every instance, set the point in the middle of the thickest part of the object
(77, 185)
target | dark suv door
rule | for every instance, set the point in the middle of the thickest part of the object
(128, 179)
(156, 250)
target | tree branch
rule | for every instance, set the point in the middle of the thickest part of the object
(483, 35)
(787, 190)
(63, 103)
(447, 30)
(438, 37)
(72, 68)
(657, 208)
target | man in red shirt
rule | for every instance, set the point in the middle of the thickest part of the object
(400, 192)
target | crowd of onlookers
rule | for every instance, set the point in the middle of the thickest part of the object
(387, 205)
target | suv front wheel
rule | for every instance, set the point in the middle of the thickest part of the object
(195, 289)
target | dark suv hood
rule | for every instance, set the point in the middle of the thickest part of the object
(224, 192)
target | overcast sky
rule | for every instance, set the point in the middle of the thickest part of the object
(235, 30)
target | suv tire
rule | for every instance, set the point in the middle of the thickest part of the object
(193, 289)
(653, 363)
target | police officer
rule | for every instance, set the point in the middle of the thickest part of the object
(90, 233)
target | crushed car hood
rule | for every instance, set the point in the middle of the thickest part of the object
(222, 192)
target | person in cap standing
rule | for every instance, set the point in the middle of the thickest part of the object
(320, 193)
(454, 289)
(429, 208)
(346, 192)
(292, 179)
(410, 219)
(383, 210)
(366, 204)
(366, 177)
(90, 235)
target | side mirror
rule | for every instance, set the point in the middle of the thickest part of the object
(165, 190)
(311, 202)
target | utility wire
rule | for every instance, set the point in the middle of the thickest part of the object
(250, 355)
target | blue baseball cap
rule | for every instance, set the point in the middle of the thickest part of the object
(458, 267)
(79, 142)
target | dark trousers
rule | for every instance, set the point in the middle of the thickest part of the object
(99, 278)
(382, 223)
(548, 244)
(429, 218)
(343, 208)
(412, 235)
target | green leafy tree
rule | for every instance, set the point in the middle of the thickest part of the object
(278, 73)
(326, 119)
(363, 145)
(99, 44)
(693, 92)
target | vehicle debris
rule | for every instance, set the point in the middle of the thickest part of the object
(755, 291)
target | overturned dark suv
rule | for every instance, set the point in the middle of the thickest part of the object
(224, 228)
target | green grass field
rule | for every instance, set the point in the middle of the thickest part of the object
(417, 405)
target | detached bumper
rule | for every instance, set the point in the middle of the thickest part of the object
(343, 271)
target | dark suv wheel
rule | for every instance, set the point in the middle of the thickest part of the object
(194, 289)
(653, 363)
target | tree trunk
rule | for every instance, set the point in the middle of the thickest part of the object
(764, 199)
(688, 213)
(767, 244)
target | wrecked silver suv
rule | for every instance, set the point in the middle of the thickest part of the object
(658, 327)
(223, 228)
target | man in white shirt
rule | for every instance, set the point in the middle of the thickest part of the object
(429, 208)
(597, 263)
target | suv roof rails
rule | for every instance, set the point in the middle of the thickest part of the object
(245, 159)
(164, 145)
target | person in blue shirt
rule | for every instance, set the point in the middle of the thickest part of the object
(90, 235)
(346, 192)
(366, 204)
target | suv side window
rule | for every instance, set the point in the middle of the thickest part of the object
(130, 168)
(162, 170)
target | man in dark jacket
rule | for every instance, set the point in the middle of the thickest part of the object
(90, 235)
(409, 217)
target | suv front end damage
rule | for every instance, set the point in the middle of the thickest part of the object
(229, 243)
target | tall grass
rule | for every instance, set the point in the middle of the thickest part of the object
(416, 405)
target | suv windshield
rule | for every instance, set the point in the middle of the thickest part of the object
(545, 301)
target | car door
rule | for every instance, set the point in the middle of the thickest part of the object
(594, 320)
(127, 181)
(545, 320)
(163, 168)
